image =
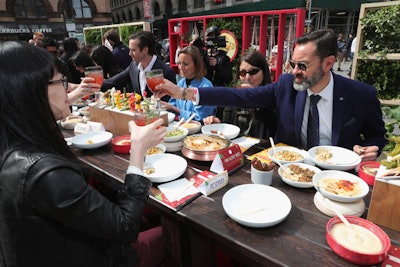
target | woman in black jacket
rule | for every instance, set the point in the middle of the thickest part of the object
(49, 216)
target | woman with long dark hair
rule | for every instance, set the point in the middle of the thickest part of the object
(103, 57)
(49, 215)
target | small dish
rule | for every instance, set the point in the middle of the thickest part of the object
(343, 183)
(165, 167)
(158, 149)
(226, 130)
(122, 144)
(287, 154)
(175, 135)
(367, 171)
(173, 146)
(70, 122)
(294, 183)
(192, 126)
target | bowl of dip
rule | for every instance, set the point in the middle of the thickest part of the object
(364, 243)
(122, 144)
(367, 171)
(193, 127)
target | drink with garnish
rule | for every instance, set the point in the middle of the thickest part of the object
(95, 72)
(143, 117)
(154, 78)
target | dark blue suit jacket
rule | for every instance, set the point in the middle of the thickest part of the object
(131, 76)
(357, 115)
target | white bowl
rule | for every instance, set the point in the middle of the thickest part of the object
(342, 159)
(296, 183)
(226, 130)
(160, 150)
(174, 146)
(183, 132)
(70, 122)
(167, 167)
(289, 149)
(192, 126)
(92, 139)
(171, 116)
(341, 175)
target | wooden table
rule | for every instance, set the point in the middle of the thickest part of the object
(298, 240)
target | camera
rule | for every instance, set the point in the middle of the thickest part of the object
(215, 42)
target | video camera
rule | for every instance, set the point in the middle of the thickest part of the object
(215, 42)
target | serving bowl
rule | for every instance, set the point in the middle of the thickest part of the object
(226, 130)
(367, 171)
(341, 184)
(348, 251)
(121, 144)
(294, 155)
(192, 126)
(201, 147)
(70, 122)
(294, 183)
(175, 134)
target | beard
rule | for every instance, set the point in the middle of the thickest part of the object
(308, 82)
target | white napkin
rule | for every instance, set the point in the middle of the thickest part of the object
(245, 141)
(177, 189)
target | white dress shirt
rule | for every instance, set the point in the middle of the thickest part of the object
(325, 111)
(142, 76)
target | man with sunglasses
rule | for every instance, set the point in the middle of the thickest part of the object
(349, 111)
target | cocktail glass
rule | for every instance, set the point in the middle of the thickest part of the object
(95, 72)
(154, 78)
(144, 117)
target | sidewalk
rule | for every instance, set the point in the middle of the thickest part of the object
(344, 69)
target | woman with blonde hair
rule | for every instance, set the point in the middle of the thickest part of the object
(192, 69)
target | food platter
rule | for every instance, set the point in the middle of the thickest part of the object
(203, 147)
(342, 186)
(334, 158)
(256, 205)
(166, 167)
(91, 140)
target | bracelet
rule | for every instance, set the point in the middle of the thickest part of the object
(184, 93)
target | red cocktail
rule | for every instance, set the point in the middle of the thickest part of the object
(143, 118)
(95, 72)
(154, 78)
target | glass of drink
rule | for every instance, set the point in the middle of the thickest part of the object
(95, 72)
(144, 117)
(154, 78)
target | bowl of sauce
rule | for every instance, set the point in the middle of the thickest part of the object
(364, 243)
(367, 171)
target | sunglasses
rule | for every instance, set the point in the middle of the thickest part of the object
(301, 65)
(252, 72)
(63, 80)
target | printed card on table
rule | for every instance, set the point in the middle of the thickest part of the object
(227, 159)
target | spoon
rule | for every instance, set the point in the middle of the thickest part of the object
(178, 124)
(334, 209)
(188, 120)
(276, 160)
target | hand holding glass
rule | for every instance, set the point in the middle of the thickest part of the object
(154, 78)
(95, 72)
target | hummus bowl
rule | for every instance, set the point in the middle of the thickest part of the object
(203, 147)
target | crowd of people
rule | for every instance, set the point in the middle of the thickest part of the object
(52, 217)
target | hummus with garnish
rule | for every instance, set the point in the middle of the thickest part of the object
(340, 187)
(357, 238)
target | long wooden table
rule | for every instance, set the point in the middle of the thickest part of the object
(298, 240)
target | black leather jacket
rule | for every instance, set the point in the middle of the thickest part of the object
(49, 216)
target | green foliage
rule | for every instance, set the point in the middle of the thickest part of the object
(128, 30)
(380, 36)
(93, 36)
(381, 30)
(383, 74)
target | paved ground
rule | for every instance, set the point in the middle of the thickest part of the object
(344, 69)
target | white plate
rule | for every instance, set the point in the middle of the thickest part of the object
(167, 167)
(288, 148)
(178, 137)
(226, 130)
(342, 176)
(256, 205)
(353, 208)
(92, 139)
(295, 183)
(342, 159)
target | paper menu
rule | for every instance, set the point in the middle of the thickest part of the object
(245, 142)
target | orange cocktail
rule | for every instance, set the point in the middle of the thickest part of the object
(95, 72)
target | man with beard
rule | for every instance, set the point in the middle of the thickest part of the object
(349, 111)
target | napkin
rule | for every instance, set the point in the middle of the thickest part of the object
(245, 142)
(177, 189)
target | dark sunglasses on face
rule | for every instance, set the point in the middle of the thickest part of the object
(63, 80)
(251, 72)
(301, 65)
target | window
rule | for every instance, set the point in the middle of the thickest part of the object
(76, 9)
(29, 9)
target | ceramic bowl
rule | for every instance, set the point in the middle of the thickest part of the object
(193, 127)
(121, 144)
(178, 135)
(367, 171)
(229, 131)
(352, 255)
(292, 151)
(70, 122)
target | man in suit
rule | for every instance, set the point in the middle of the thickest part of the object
(349, 111)
(142, 49)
